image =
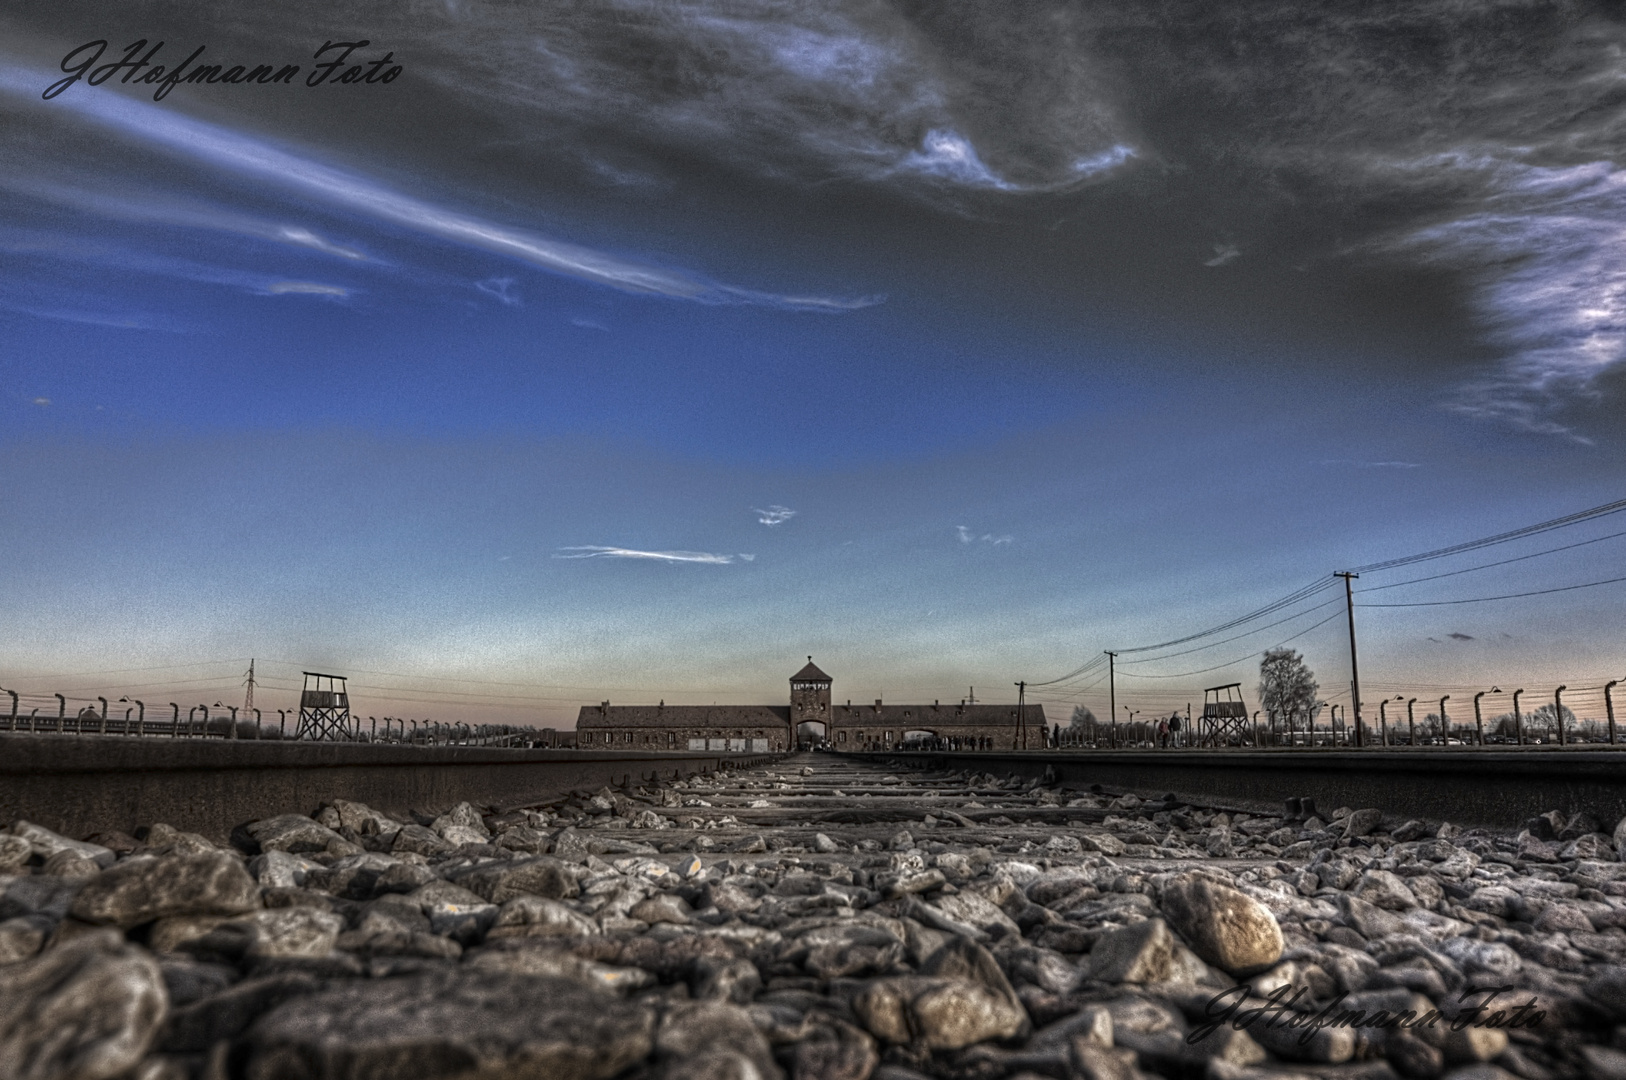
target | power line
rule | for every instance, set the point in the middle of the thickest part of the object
(1240, 659)
(1507, 596)
(1487, 566)
(1603, 510)
(1239, 637)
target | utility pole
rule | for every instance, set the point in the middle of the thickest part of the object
(1112, 692)
(1021, 713)
(1354, 666)
(248, 701)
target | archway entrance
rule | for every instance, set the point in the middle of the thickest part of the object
(812, 734)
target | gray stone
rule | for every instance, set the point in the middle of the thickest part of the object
(524, 839)
(1385, 890)
(87, 1009)
(70, 864)
(1369, 921)
(824, 845)
(1140, 953)
(142, 889)
(168, 840)
(362, 819)
(280, 870)
(718, 979)
(228, 1012)
(294, 833)
(14, 853)
(1411, 830)
(543, 875)
(1227, 928)
(536, 916)
(483, 1023)
(417, 840)
(710, 1040)
(935, 1013)
(463, 815)
(834, 1050)
(293, 931)
(23, 936)
(662, 908)
(45, 843)
(1362, 823)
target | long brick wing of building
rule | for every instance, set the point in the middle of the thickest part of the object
(773, 728)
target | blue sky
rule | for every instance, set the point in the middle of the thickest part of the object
(530, 379)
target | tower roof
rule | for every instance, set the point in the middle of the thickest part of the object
(810, 673)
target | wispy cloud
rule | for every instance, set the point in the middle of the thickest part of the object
(227, 149)
(500, 287)
(1371, 464)
(968, 537)
(1548, 249)
(598, 551)
(1457, 636)
(307, 288)
(151, 207)
(1224, 253)
(774, 515)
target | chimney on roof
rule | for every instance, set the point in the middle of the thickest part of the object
(877, 704)
(935, 704)
(662, 705)
(604, 707)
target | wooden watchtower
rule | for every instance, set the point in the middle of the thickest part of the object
(1225, 714)
(324, 708)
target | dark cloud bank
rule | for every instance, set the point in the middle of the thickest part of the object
(1470, 152)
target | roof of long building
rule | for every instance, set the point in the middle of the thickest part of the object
(684, 716)
(906, 717)
(930, 717)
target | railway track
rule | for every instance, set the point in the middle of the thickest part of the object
(817, 918)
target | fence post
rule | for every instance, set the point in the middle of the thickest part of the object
(1558, 714)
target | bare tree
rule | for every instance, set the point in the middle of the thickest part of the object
(1082, 717)
(1286, 684)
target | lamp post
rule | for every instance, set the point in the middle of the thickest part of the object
(141, 717)
(1608, 704)
(102, 725)
(1445, 724)
(1132, 713)
(1479, 721)
(1518, 718)
(205, 729)
(256, 723)
(231, 732)
(282, 723)
(61, 713)
(1411, 724)
(175, 721)
(1383, 721)
(1558, 714)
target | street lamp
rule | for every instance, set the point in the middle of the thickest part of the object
(1558, 714)
(102, 727)
(1411, 724)
(1518, 717)
(142, 716)
(1479, 721)
(175, 721)
(1608, 704)
(1445, 724)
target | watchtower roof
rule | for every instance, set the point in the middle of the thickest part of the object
(810, 673)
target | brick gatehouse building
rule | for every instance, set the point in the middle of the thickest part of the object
(774, 727)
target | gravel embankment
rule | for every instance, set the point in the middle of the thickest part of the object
(820, 919)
